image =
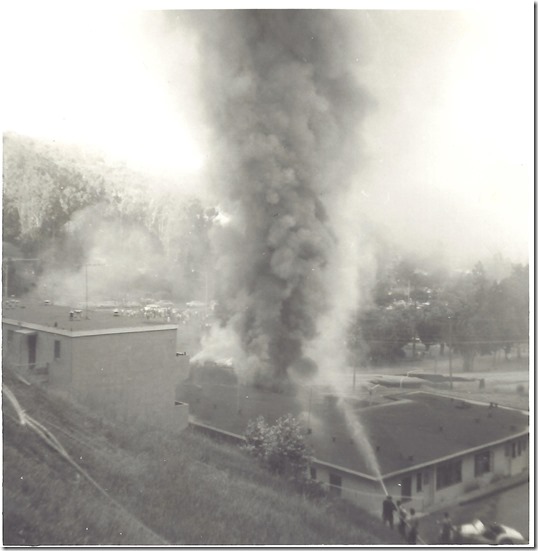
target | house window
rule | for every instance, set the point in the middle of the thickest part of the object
(57, 350)
(425, 478)
(448, 473)
(482, 463)
(335, 483)
(313, 473)
(514, 450)
(523, 444)
(419, 482)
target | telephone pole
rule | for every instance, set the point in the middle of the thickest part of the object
(450, 351)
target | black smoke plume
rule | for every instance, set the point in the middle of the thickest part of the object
(282, 98)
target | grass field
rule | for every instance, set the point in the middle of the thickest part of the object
(164, 489)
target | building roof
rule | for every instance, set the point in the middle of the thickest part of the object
(406, 430)
(417, 429)
(57, 318)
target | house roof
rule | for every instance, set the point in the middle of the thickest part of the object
(57, 318)
(405, 431)
(416, 429)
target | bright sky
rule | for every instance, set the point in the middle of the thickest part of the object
(453, 133)
(85, 76)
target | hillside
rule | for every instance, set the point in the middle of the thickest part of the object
(161, 489)
(65, 206)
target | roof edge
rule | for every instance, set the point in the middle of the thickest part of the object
(454, 455)
(89, 332)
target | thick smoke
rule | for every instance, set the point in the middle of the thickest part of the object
(283, 97)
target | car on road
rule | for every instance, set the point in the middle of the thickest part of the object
(479, 532)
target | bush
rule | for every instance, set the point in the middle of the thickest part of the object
(281, 447)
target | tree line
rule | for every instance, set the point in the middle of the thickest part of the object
(467, 311)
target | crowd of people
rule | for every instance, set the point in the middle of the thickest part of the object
(408, 522)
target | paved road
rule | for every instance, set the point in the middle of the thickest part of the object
(510, 507)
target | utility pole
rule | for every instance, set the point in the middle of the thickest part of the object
(450, 351)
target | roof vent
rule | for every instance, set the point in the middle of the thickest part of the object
(441, 428)
(309, 431)
(411, 457)
(377, 448)
(334, 438)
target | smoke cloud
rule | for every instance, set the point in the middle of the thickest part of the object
(284, 100)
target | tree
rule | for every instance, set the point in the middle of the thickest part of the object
(281, 447)
(469, 328)
(380, 334)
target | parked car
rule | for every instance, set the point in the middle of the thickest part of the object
(486, 533)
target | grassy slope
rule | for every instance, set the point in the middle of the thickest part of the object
(185, 489)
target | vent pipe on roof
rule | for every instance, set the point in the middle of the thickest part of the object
(441, 428)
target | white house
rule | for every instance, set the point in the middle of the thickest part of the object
(429, 449)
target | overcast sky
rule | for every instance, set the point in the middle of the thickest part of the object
(449, 145)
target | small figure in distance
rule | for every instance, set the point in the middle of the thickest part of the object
(402, 514)
(447, 528)
(412, 523)
(388, 511)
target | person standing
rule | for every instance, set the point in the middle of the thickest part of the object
(388, 511)
(412, 523)
(446, 529)
(402, 514)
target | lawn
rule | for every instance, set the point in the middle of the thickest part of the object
(162, 489)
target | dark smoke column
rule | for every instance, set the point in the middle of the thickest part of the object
(282, 99)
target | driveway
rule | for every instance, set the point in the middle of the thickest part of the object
(509, 507)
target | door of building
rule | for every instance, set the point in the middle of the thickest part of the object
(32, 342)
(406, 488)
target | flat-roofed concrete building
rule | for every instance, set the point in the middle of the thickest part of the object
(430, 449)
(124, 366)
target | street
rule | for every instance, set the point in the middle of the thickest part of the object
(510, 507)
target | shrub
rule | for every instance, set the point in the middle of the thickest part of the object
(281, 447)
